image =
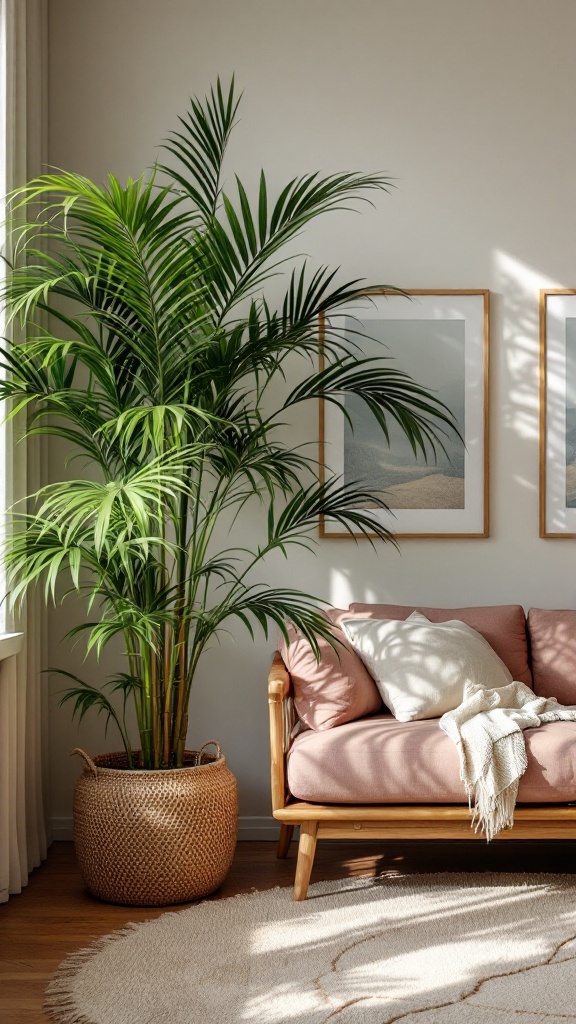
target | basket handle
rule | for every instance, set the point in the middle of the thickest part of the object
(87, 759)
(209, 743)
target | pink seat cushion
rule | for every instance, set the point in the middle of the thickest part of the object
(335, 690)
(503, 626)
(553, 639)
(379, 760)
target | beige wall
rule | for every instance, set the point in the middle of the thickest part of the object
(470, 106)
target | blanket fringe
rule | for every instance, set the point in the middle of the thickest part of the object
(493, 812)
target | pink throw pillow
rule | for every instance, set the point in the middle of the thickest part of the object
(502, 625)
(553, 638)
(336, 689)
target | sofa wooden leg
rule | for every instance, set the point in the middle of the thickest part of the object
(306, 851)
(284, 840)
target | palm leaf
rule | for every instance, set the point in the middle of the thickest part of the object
(199, 148)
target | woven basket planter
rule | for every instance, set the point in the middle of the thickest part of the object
(150, 838)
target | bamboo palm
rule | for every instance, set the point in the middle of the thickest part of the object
(154, 366)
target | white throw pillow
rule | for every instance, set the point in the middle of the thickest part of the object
(421, 667)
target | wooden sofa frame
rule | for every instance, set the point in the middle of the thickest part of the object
(368, 821)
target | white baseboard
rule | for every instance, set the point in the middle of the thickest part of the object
(258, 828)
(61, 829)
(264, 828)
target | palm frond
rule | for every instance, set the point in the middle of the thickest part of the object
(265, 605)
(200, 146)
(86, 698)
(346, 503)
(389, 394)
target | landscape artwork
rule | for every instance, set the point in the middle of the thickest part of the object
(442, 340)
(433, 353)
(570, 412)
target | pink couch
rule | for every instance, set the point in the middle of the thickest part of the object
(352, 769)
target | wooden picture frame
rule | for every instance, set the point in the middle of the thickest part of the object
(557, 413)
(442, 340)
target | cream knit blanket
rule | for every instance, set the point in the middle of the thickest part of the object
(487, 728)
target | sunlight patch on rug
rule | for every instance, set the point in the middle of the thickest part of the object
(427, 949)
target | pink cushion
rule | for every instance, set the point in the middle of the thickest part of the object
(553, 639)
(335, 690)
(503, 626)
(381, 761)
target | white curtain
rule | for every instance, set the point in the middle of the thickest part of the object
(23, 704)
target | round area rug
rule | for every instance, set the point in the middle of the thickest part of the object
(421, 949)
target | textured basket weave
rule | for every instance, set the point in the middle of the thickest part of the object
(149, 838)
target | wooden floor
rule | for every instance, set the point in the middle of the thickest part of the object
(54, 915)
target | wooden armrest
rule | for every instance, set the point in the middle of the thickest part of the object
(278, 680)
(280, 708)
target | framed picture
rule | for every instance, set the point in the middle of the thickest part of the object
(442, 340)
(557, 413)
